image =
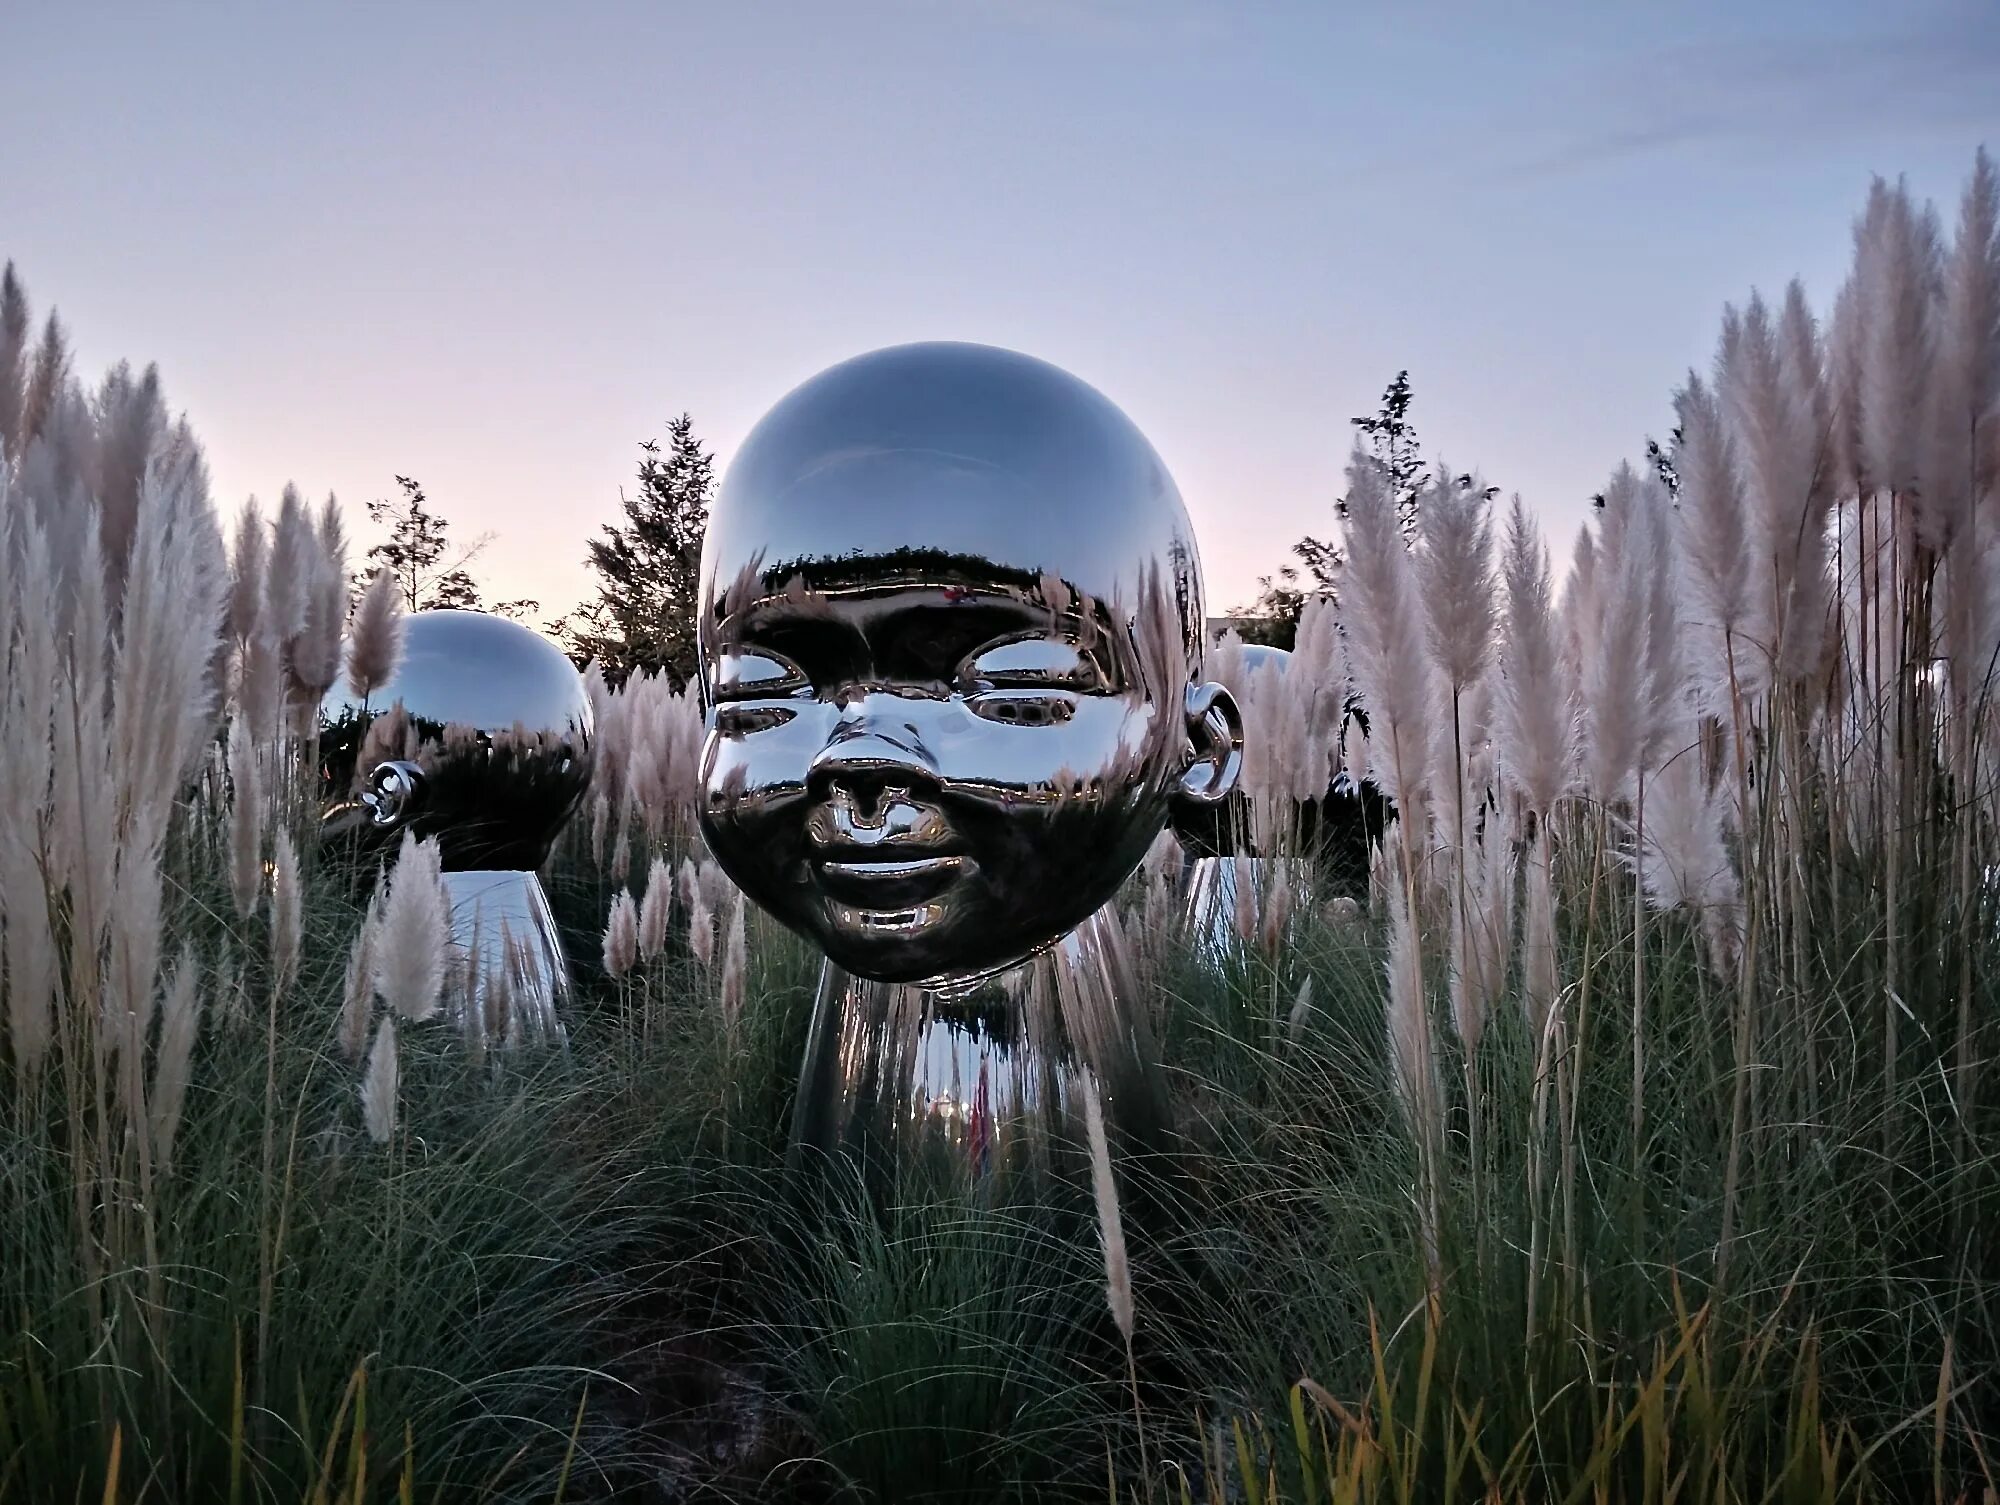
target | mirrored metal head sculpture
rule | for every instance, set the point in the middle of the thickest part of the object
(481, 739)
(951, 645)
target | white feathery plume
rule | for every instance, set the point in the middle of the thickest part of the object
(375, 635)
(1800, 580)
(1684, 860)
(411, 943)
(1579, 610)
(1843, 388)
(287, 929)
(502, 1019)
(1716, 545)
(701, 929)
(1110, 1224)
(1961, 467)
(1456, 567)
(1386, 636)
(315, 655)
(162, 707)
(1666, 707)
(1319, 676)
(1277, 912)
(246, 820)
(1895, 278)
(378, 1083)
(735, 967)
(28, 697)
(1614, 687)
(13, 357)
(247, 566)
(690, 877)
(1243, 872)
(479, 981)
(655, 910)
(1769, 388)
(260, 681)
(621, 935)
(1535, 727)
(1353, 749)
(358, 994)
(180, 1023)
(294, 559)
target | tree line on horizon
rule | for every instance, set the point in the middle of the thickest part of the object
(647, 568)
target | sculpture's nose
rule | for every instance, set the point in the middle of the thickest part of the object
(870, 752)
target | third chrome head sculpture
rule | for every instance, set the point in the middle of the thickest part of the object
(951, 641)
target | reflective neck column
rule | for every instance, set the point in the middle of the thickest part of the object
(508, 957)
(984, 1076)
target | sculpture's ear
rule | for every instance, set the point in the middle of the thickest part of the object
(394, 793)
(1215, 728)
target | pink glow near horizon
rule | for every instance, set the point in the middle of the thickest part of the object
(494, 248)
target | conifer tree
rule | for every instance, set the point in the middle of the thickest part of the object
(648, 569)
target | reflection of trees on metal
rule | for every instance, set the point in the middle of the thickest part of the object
(482, 739)
(951, 633)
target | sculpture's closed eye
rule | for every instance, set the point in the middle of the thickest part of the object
(1034, 663)
(752, 674)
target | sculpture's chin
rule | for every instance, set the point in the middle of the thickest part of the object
(923, 944)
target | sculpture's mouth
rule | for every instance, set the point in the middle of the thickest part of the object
(872, 879)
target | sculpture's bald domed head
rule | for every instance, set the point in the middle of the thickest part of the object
(481, 738)
(996, 459)
(951, 629)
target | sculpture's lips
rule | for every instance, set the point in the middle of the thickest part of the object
(876, 881)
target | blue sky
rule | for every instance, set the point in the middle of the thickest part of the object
(494, 246)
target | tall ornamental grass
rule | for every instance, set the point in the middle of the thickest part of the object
(1634, 1141)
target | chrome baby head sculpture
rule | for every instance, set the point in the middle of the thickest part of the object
(481, 738)
(951, 645)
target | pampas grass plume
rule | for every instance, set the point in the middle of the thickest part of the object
(358, 994)
(287, 924)
(735, 966)
(375, 635)
(378, 1083)
(1455, 522)
(409, 951)
(621, 935)
(1535, 726)
(180, 1023)
(246, 585)
(246, 820)
(655, 910)
(1110, 1225)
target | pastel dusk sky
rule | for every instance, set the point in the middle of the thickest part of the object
(494, 246)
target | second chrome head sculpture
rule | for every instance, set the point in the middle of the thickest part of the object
(482, 741)
(951, 645)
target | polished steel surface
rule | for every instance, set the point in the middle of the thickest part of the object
(482, 739)
(983, 1076)
(951, 649)
(508, 960)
